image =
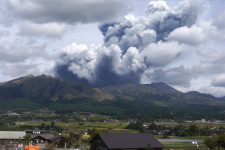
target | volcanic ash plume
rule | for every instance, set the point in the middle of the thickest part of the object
(133, 47)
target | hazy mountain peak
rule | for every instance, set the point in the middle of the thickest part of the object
(18, 80)
(196, 93)
(163, 87)
(62, 95)
(45, 76)
(222, 98)
(193, 92)
(46, 87)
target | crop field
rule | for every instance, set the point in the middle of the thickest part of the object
(120, 127)
(199, 124)
(84, 126)
(183, 145)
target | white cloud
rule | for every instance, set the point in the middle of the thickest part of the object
(85, 59)
(3, 33)
(219, 20)
(219, 81)
(177, 76)
(16, 52)
(173, 45)
(45, 30)
(156, 6)
(191, 36)
(35, 66)
(69, 11)
(162, 53)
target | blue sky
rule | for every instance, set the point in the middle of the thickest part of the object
(116, 41)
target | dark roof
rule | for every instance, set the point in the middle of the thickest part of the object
(129, 140)
(50, 137)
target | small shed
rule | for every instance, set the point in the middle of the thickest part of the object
(125, 141)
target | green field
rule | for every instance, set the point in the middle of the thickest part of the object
(120, 127)
(114, 126)
(199, 124)
(183, 145)
(84, 126)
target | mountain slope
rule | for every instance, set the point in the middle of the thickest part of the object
(160, 86)
(157, 100)
(162, 92)
(45, 88)
(145, 91)
(222, 98)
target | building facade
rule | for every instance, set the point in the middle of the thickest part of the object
(12, 139)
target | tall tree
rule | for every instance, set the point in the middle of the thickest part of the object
(221, 141)
(210, 142)
(193, 130)
(27, 138)
(52, 124)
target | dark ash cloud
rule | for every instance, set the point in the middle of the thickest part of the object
(106, 75)
(63, 72)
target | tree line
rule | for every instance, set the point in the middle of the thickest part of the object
(179, 130)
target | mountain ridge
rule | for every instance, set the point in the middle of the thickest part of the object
(17, 80)
(155, 85)
(48, 87)
(63, 96)
(161, 92)
(163, 86)
(222, 98)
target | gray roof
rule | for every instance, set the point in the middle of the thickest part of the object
(129, 140)
(51, 137)
(12, 134)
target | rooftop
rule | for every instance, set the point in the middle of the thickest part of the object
(12, 134)
(129, 140)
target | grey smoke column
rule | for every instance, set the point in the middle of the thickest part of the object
(131, 47)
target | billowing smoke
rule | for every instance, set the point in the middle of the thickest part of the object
(132, 46)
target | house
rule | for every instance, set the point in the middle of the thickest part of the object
(125, 141)
(11, 139)
(43, 140)
(12, 114)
